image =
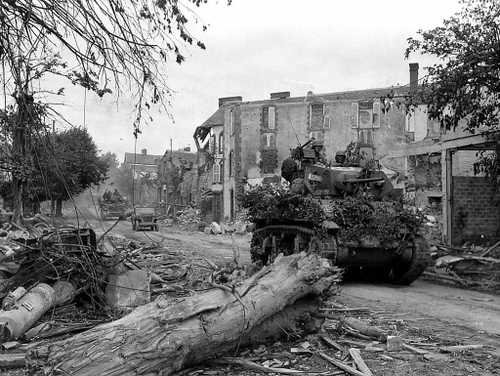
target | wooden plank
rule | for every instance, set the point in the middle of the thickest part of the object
(360, 363)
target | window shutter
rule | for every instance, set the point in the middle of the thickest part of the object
(327, 123)
(265, 117)
(354, 115)
(216, 173)
(271, 121)
(376, 114)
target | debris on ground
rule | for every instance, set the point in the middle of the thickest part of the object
(189, 218)
(343, 340)
(470, 266)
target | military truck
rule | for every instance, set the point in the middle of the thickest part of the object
(144, 218)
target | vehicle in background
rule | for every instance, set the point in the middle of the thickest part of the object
(144, 218)
(113, 205)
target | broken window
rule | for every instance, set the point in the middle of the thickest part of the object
(376, 114)
(221, 143)
(216, 173)
(327, 123)
(317, 135)
(231, 122)
(354, 115)
(269, 140)
(212, 144)
(316, 115)
(271, 118)
(366, 137)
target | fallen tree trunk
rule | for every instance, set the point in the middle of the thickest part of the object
(169, 334)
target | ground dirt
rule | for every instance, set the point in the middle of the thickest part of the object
(424, 314)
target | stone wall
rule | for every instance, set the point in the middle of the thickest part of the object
(475, 210)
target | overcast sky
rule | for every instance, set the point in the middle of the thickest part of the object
(255, 47)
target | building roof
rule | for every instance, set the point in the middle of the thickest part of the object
(178, 155)
(141, 159)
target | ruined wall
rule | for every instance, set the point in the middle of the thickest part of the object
(475, 211)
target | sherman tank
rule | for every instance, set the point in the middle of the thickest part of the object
(348, 211)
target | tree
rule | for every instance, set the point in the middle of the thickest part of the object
(113, 44)
(65, 165)
(463, 87)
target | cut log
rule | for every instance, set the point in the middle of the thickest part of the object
(360, 363)
(28, 310)
(364, 328)
(169, 334)
(344, 367)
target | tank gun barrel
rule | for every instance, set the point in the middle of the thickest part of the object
(364, 180)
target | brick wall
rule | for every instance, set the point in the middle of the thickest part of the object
(474, 209)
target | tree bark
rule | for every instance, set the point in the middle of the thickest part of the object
(167, 335)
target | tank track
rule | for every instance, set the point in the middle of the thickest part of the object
(269, 241)
(419, 262)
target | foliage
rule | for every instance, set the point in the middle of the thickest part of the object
(386, 221)
(65, 164)
(463, 87)
(109, 44)
(356, 216)
(276, 202)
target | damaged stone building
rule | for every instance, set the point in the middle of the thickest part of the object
(244, 143)
(442, 178)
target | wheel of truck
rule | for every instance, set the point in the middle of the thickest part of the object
(134, 226)
(411, 267)
(156, 228)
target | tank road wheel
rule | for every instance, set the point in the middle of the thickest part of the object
(415, 259)
(268, 242)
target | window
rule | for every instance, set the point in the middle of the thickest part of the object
(354, 115)
(216, 171)
(231, 163)
(231, 122)
(212, 144)
(366, 137)
(316, 116)
(269, 140)
(327, 122)
(376, 114)
(221, 143)
(271, 118)
(365, 118)
(317, 135)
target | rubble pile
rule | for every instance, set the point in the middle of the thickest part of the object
(173, 272)
(189, 218)
(472, 266)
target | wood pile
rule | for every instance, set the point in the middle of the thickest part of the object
(471, 267)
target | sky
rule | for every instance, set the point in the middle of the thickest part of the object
(256, 47)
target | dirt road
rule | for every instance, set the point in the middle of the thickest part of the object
(447, 306)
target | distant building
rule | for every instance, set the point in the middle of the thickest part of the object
(145, 172)
(177, 178)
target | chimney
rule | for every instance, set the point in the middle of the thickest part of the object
(413, 77)
(144, 151)
(223, 101)
(280, 95)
